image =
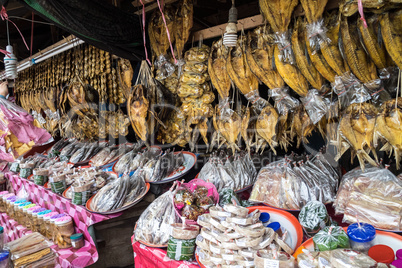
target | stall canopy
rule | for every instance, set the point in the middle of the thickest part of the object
(96, 22)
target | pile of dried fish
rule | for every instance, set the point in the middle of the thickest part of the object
(162, 166)
(119, 193)
(134, 159)
(292, 182)
(111, 153)
(82, 152)
(153, 226)
(225, 171)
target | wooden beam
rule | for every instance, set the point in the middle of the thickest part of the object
(247, 23)
(153, 6)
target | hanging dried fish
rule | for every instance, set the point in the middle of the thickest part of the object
(217, 69)
(183, 23)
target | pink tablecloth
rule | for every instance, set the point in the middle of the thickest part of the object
(147, 257)
(69, 257)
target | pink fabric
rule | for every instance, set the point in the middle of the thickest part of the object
(82, 218)
(147, 257)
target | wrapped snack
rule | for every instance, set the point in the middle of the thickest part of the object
(183, 197)
(331, 237)
(15, 167)
(345, 258)
(58, 183)
(273, 258)
(182, 242)
(40, 176)
(313, 217)
(26, 169)
(81, 193)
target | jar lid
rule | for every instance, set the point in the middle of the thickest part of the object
(32, 209)
(264, 216)
(45, 212)
(399, 254)
(19, 201)
(7, 195)
(4, 255)
(382, 253)
(9, 199)
(3, 193)
(24, 204)
(76, 236)
(28, 206)
(274, 225)
(58, 216)
(50, 215)
(397, 263)
(38, 210)
(363, 233)
(1, 229)
(63, 220)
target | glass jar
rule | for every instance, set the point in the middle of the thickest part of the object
(48, 224)
(2, 206)
(361, 236)
(40, 176)
(18, 213)
(10, 201)
(77, 240)
(24, 215)
(53, 225)
(35, 219)
(11, 211)
(41, 221)
(58, 184)
(29, 217)
(64, 229)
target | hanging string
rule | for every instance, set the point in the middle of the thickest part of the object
(360, 6)
(143, 32)
(32, 31)
(167, 31)
(4, 16)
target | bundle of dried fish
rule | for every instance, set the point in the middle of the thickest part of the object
(297, 180)
(183, 22)
(162, 166)
(356, 130)
(125, 74)
(176, 131)
(266, 126)
(302, 58)
(260, 54)
(301, 125)
(217, 68)
(158, 35)
(359, 62)
(391, 31)
(110, 154)
(224, 171)
(153, 226)
(238, 69)
(389, 130)
(119, 193)
(350, 7)
(85, 152)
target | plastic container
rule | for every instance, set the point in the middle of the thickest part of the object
(64, 229)
(382, 253)
(2, 205)
(276, 226)
(29, 215)
(361, 236)
(77, 240)
(397, 263)
(48, 224)
(10, 202)
(399, 254)
(4, 259)
(1, 238)
(81, 193)
(264, 218)
(35, 220)
(16, 204)
(19, 212)
(24, 214)
(53, 224)
(41, 221)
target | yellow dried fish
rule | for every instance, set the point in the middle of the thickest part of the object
(278, 13)
(260, 53)
(298, 46)
(137, 108)
(391, 29)
(183, 25)
(313, 9)
(217, 68)
(267, 126)
(157, 31)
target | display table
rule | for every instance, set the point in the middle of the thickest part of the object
(147, 257)
(82, 218)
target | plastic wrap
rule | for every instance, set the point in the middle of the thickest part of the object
(256, 101)
(315, 105)
(22, 193)
(344, 258)
(272, 258)
(164, 66)
(377, 91)
(313, 217)
(284, 103)
(374, 196)
(317, 35)
(285, 47)
(182, 241)
(350, 90)
(331, 237)
(154, 224)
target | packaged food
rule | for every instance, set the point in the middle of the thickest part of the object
(181, 243)
(29, 217)
(24, 215)
(64, 229)
(58, 183)
(81, 193)
(15, 167)
(346, 258)
(361, 236)
(41, 221)
(19, 212)
(77, 240)
(331, 237)
(2, 204)
(10, 204)
(48, 224)
(40, 176)
(35, 219)
(183, 231)
(26, 169)
(16, 204)
(313, 217)
(273, 258)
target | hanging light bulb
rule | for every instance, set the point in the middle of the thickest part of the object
(10, 63)
(230, 35)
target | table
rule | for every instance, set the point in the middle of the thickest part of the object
(82, 218)
(147, 257)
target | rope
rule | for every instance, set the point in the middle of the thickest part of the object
(143, 32)
(32, 31)
(4, 16)
(360, 6)
(167, 31)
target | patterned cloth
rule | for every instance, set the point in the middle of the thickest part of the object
(147, 257)
(82, 218)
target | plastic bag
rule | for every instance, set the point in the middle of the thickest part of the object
(257, 102)
(349, 90)
(284, 103)
(285, 47)
(345, 258)
(314, 105)
(313, 217)
(377, 91)
(228, 196)
(22, 193)
(317, 35)
(164, 66)
(331, 237)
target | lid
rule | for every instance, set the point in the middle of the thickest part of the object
(382, 253)
(399, 254)
(63, 220)
(38, 210)
(1, 229)
(274, 225)
(9, 199)
(24, 204)
(32, 209)
(4, 255)
(57, 216)
(76, 236)
(397, 263)
(45, 212)
(264, 216)
(28, 206)
(51, 214)
(363, 233)
(7, 196)
(19, 201)
(3, 193)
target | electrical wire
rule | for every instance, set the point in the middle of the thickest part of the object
(42, 22)
(8, 34)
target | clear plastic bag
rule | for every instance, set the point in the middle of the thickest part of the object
(344, 258)
(350, 90)
(164, 66)
(257, 102)
(285, 47)
(284, 103)
(317, 35)
(22, 193)
(377, 91)
(315, 105)
(154, 224)
(313, 217)
(331, 237)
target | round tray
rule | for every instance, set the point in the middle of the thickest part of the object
(147, 244)
(189, 162)
(139, 198)
(65, 193)
(132, 171)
